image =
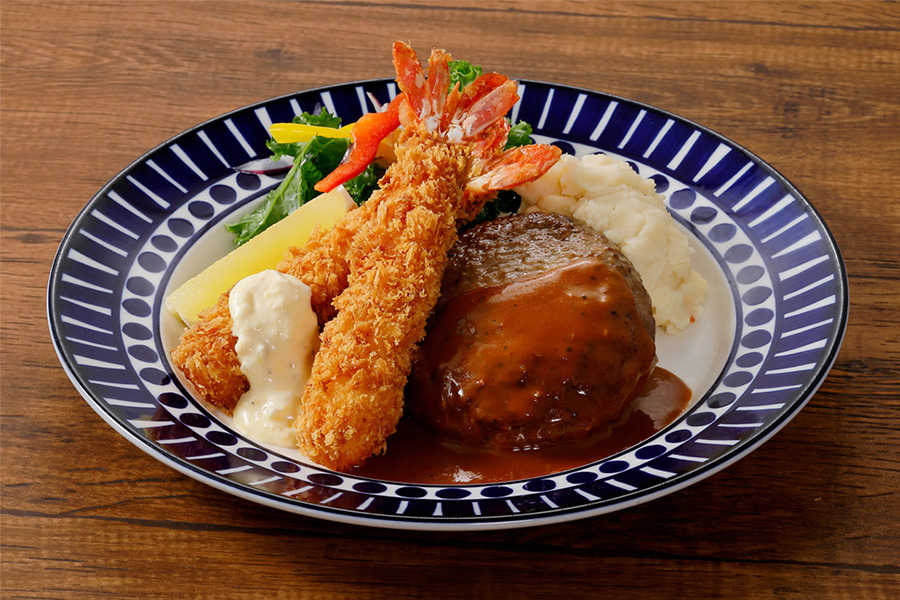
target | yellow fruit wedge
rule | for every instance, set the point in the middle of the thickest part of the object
(263, 252)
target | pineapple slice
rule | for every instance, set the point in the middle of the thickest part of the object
(263, 252)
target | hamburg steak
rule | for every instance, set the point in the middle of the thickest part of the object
(543, 333)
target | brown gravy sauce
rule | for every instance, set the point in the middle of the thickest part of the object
(537, 360)
(416, 454)
(539, 375)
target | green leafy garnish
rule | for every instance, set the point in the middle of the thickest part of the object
(506, 202)
(313, 160)
(277, 206)
(292, 149)
(463, 72)
(323, 119)
(519, 135)
(295, 149)
(362, 186)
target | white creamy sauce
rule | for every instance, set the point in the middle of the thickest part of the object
(277, 335)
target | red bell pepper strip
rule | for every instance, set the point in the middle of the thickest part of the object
(367, 135)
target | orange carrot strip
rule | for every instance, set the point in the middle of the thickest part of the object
(367, 135)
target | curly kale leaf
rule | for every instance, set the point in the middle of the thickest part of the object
(463, 72)
(312, 161)
(362, 186)
(323, 119)
(519, 135)
(506, 202)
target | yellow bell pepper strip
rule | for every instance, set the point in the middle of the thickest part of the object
(286, 133)
(367, 135)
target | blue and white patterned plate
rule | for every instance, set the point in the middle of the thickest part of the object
(777, 273)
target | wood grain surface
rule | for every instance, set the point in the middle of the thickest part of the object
(813, 88)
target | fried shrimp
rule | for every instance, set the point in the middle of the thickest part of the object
(375, 277)
(206, 351)
(448, 160)
(354, 397)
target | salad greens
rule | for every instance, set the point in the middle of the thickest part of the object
(319, 156)
(313, 160)
(362, 186)
(323, 119)
(506, 202)
(519, 135)
(463, 72)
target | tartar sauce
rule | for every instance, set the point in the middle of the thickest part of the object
(277, 335)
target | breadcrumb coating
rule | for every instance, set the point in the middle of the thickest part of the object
(205, 353)
(206, 356)
(354, 397)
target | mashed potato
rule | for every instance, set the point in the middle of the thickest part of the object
(607, 195)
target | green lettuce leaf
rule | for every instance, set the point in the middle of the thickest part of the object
(362, 186)
(323, 119)
(507, 201)
(312, 161)
(276, 206)
(295, 149)
(463, 72)
(519, 135)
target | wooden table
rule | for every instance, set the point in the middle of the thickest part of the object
(813, 88)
